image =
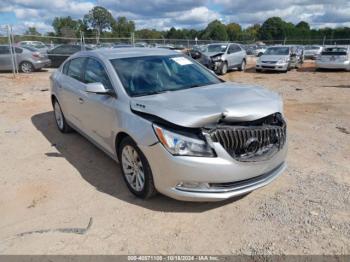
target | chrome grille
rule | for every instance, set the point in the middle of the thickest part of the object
(250, 143)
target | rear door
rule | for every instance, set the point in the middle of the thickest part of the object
(237, 55)
(72, 90)
(230, 55)
(5, 58)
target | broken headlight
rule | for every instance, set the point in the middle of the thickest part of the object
(181, 145)
(216, 58)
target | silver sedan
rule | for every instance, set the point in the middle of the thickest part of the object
(172, 124)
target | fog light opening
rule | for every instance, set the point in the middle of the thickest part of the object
(192, 185)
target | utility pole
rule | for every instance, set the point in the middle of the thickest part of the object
(11, 50)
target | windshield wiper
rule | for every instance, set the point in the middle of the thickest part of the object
(151, 93)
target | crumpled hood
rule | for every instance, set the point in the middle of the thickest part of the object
(205, 106)
(273, 57)
(210, 54)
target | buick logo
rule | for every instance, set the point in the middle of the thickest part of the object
(252, 145)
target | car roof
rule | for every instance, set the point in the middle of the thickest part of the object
(113, 53)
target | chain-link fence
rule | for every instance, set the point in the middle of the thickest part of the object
(56, 49)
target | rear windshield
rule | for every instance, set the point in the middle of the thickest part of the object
(149, 75)
(335, 51)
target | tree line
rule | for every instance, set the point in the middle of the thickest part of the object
(99, 22)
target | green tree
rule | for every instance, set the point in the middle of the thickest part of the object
(234, 31)
(100, 19)
(67, 27)
(32, 31)
(148, 34)
(252, 32)
(215, 31)
(273, 28)
(122, 27)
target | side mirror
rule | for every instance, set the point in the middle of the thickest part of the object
(98, 88)
(260, 54)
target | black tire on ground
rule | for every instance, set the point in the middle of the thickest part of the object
(223, 68)
(26, 67)
(242, 66)
(148, 190)
(60, 120)
(258, 70)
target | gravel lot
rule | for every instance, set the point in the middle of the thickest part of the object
(61, 195)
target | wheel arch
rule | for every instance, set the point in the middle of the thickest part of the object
(118, 139)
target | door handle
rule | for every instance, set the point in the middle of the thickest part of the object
(81, 100)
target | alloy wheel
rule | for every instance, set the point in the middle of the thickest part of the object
(58, 116)
(26, 67)
(133, 168)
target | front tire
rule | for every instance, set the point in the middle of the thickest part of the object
(60, 120)
(224, 68)
(242, 66)
(136, 170)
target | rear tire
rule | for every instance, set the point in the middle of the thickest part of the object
(135, 169)
(242, 66)
(60, 120)
(26, 67)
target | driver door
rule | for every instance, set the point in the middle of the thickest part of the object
(98, 113)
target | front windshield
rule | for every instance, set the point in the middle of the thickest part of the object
(277, 51)
(156, 74)
(216, 48)
(311, 48)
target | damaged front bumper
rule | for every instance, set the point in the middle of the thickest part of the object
(210, 178)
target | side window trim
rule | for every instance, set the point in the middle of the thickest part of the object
(104, 68)
(82, 73)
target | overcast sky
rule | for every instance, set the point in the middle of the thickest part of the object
(162, 14)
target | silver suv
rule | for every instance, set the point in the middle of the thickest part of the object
(173, 125)
(225, 56)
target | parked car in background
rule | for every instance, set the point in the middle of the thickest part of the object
(141, 44)
(225, 56)
(121, 45)
(312, 51)
(36, 44)
(28, 59)
(259, 50)
(173, 125)
(336, 57)
(279, 58)
(60, 53)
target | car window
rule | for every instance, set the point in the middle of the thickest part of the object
(155, 74)
(65, 68)
(60, 50)
(96, 73)
(234, 49)
(18, 50)
(75, 69)
(4, 50)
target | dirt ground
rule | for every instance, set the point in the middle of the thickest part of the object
(61, 195)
